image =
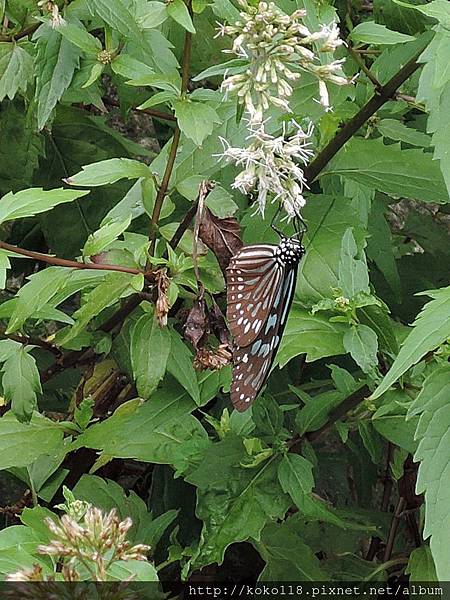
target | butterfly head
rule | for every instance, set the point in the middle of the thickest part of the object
(290, 251)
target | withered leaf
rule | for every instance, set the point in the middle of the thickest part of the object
(222, 236)
(218, 324)
(196, 326)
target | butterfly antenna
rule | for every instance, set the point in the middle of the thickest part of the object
(272, 223)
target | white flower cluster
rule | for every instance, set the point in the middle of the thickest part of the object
(278, 48)
(270, 166)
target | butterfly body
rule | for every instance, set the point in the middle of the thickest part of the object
(261, 283)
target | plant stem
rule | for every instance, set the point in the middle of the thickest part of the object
(28, 340)
(20, 34)
(381, 96)
(393, 529)
(162, 192)
(148, 111)
(73, 264)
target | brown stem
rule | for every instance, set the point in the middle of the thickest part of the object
(393, 529)
(348, 404)
(62, 262)
(182, 227)
(20, 34)
(380, 97)
(387, 490)
(162, 192)
(28, 340)
(148, 111)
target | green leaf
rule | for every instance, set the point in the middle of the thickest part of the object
(37, 293)
(159, 431)
(107, 494)
(179, 364)
(353, 275)
(396, 130)
(109, 171)
(328, 219)
(152, 14)
(16, 69)
(362, 343)
(437, 9)
(287, 556)
(380, 247)
(389, 169)
(370, 32)
(57, 59)
(113, 287)
(137, 570)
(220, 202)
(312, 335)
(196, 120)
(117, 15)
(316, 410)
(78, 35)
(21, 383)
(177, 9)
(430, 329)
(295, 477)
(433, 433)
(149, 352)
(434, 90)
(103, 237)
(390, 420)
(33, 201)
(234, 503)
(133, 202)
(21, 444)
(421, 565)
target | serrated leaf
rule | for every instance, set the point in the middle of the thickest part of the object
(421, 565)
(178, 10)
(113, 287)
(179, 364)
(362, 343)
(103, 237)
(21, 383)
(312, 335)
(430, 329)
(152, 14)
(370, 32)
(16, 69)
(57, 59)
(295, 477)
(77, 34)
(433, 433)
(109, 171)
(396, 130)
(21, 444)
(33, 201)
(196, 120)
(221, 203)
(389, 169)
(434, 91)
(107, 494)
(149, 352)
(159, 431)
(118, 16)
(287, 556)
(36, 294)
(353, 275)
(234, 503)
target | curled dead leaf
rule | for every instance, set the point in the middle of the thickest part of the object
(212, 358)
(196, 326)
(222, 236)
(162, 300)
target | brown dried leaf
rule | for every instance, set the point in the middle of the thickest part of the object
(196, 326)
(222, 236)
(162, 301)
(218, 324)
(213, 359)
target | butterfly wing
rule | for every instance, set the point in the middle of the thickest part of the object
(253, 278)
(251, 363)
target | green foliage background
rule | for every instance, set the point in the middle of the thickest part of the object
(98, 396)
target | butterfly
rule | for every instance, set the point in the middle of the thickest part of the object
(261, 283)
